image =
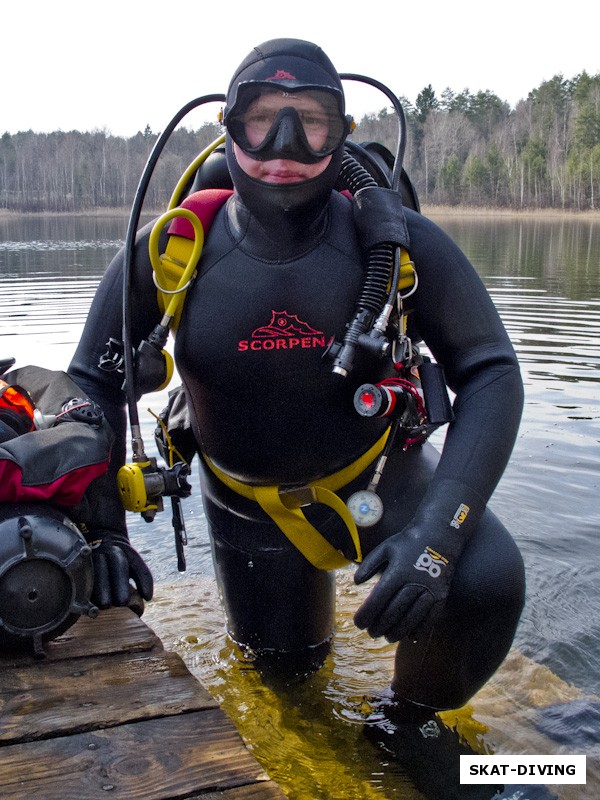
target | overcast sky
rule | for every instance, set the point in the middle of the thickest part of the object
(122, 64)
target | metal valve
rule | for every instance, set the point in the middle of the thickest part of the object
(142, 486)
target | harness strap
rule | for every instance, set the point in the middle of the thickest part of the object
(284, 507)
(173, 263)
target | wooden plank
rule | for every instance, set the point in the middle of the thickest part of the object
(155, 759)
(256, 791)
(53, 699)
(115, 630)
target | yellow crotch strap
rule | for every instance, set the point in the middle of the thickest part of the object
(284, 508)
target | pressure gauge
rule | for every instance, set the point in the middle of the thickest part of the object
(366, 508)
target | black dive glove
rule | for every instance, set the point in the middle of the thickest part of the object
(417, 564)
(115, 562)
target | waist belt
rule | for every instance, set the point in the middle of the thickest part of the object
(284, 507)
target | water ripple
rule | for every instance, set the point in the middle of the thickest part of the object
(59, 245)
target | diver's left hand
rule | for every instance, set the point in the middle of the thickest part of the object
(115, 564)
(416, 572)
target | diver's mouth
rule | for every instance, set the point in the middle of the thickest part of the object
(283, 177)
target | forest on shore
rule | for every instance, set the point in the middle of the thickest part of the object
(463, 148)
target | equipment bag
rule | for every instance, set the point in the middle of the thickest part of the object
(69, 446)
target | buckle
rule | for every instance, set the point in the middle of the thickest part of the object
(298, 496)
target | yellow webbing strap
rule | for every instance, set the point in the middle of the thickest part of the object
(173, 261)
(284, 507)
(178, 252)
(174, 271)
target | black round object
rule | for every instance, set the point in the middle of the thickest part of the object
(46, 575)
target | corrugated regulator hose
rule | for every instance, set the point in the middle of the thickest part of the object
(376, 286)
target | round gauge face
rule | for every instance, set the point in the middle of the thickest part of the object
(366, 508)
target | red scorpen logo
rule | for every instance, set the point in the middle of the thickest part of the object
(285, 331)
(282, 75)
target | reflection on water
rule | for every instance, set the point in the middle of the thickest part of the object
(50, 267)
(309, 737)
(558, 254)
(545, 279)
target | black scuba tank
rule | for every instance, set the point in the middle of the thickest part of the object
(46, 575)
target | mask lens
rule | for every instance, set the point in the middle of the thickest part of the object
(315, 112)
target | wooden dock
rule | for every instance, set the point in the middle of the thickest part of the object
(110, 714)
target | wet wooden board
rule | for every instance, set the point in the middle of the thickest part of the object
(66, 697)
(117, 630)
(151, 759)
(110, 714)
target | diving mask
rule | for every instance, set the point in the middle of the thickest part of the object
(303, 125)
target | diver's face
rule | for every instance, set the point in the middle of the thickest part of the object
(260, 120)
(279, 170)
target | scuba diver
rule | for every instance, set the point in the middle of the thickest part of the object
(309, 419)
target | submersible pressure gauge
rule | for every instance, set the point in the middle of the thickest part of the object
(366, 508)
(365, 505)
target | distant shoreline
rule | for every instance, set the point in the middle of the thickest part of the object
(538, 213)
(428, 210)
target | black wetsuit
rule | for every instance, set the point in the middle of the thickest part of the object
(267, 409)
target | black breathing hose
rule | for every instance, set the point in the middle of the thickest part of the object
(354, 177)
(380, 275)
(401, 143)
(383, 266)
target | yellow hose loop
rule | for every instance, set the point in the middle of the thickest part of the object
(191, 170)
(173, 300)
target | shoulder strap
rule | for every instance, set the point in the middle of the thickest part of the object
(204, 204)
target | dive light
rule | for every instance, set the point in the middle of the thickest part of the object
(380, 400)
(422, 406)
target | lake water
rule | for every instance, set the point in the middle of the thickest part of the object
(544, 275)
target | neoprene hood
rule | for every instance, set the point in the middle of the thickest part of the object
(289, 63)
(292, 65)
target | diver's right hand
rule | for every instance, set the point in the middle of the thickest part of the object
(413, 585)
(116, 562)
